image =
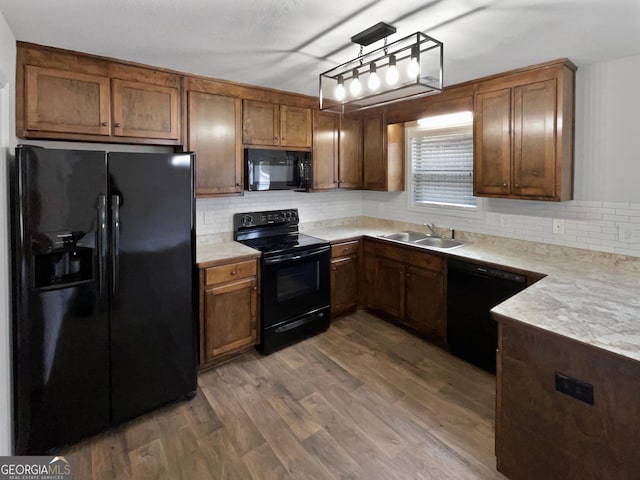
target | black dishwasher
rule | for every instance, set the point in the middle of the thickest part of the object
(473, 290)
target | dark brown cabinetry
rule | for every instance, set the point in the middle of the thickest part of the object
(523, 134)
(544, 433)
(350, 155)
(81, 97)
(425, 309)
(344, 277)
(215, 135)
(325, 150)
(270, 124)
(337, 151)
(228, 310)
(383, 154)
(406, 284)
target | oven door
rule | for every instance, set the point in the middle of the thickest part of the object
(294, 283)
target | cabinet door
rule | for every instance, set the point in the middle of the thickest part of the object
(369, 268)
(534, 137)
(145, 110)
(390, 287)
(260, 123)
(374, 165)
(295, 127)
(344, 284)
(68, 102)
(215, 126)
(230, 316)
(350, 156)
(492, 143)
(325, 150)
(425, 300)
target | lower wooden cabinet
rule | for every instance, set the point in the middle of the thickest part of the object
(406, 284)
(344, 277)
(544, 429)
(228, 310)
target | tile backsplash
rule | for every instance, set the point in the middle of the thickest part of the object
(598, 226)
(215, 216)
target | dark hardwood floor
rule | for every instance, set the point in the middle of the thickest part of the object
(365, 400)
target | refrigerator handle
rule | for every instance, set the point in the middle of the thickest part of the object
(115, 245)
(102, 241)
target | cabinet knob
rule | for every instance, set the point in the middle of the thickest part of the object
(118, 125)
(255, 288)
(105, 124)
(333, 268)
(504, 185)
(237, 184)
(233, 272)
(517, 185)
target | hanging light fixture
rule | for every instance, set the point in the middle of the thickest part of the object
(411, 67)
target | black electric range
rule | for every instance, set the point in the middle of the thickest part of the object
(295, 290)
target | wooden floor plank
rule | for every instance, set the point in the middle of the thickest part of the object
(363, 400)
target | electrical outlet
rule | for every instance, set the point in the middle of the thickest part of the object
(625, 233)
(558, 226)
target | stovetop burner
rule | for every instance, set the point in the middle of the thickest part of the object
(273, 231)
(283, 243)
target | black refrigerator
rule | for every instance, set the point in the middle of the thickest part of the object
(103, 297)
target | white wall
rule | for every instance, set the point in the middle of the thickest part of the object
(607, 175)
(7, 143)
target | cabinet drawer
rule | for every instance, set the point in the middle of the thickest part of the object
(345, 248)
(425, 260)
(390, 251)
(233, 271)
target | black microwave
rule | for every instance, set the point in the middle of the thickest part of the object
(276, 169)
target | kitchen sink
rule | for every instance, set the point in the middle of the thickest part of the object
(410, 237)
(438, 242)
(418, 238)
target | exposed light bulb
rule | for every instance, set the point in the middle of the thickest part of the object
(374, 79)
(392, 71)
(413, 70)
(356, 87)
(340, 92)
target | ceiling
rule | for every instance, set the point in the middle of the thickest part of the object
(286, 44)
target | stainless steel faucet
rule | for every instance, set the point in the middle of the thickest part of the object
(432, 229)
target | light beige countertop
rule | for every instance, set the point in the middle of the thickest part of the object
(590, 297)
(216, 253)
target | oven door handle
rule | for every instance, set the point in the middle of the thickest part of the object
(290, 257)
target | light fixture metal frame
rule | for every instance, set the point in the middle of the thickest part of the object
(406, 89)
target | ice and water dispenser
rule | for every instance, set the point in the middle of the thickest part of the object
(60, 258)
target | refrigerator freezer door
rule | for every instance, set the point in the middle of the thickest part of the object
(60, 321)
(153, 323)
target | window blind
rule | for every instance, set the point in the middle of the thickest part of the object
(442, 168)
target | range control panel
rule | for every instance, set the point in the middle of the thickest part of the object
(266, 218)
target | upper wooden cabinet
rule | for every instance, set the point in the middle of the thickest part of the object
(66, 102)
(145, 110)
(350, 154)
(325, 150)
(74, 96)
(214, 126)
(337, 152)
(523, 134)
(275, 125)
(383, 154)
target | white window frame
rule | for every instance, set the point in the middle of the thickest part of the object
(433, 208)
